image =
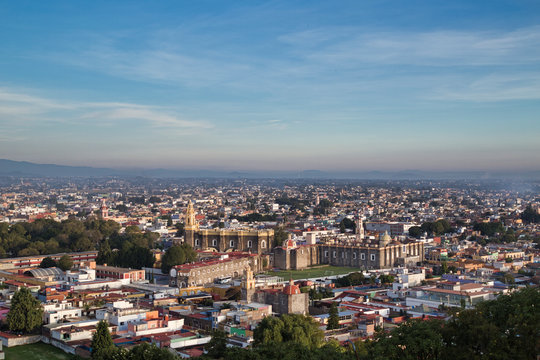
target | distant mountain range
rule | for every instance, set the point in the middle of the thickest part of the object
(28, 169)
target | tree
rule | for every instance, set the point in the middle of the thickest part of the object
(154, 200)
(415, 231)
(25, 313)
(415, 339)
(105, 254)
(65, 263)
(489, 229)
(102, 344)
(30, 251)
(47, 262)
(507, 278)
(444, 268)
(217, 346)
(177, 255)
(134, 256)
(345, 224)
(180, 229)
(292, 328)
(333, 319)
(352, 279)
(146, 351)
(386, 279)
(280, 236)
(530, 215)
(121, 208)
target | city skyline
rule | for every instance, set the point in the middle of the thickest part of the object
(272, 86)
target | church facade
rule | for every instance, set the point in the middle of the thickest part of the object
(380, 254)
(226, 240)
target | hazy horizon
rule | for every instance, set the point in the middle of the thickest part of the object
(272, 86)
(29, 169)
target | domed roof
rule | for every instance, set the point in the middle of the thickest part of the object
(291, 289)
(385, 237)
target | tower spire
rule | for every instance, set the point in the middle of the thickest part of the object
(359, 228)
(190, 221)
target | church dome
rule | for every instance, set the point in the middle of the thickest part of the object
(384, 239)
(291, 289)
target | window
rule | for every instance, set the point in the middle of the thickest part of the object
(372, 257)
(196, 242)
(404, 249)
(214, 242)
(362, 256)
(326, 254)
(249, 243)
(354, 255)
(231, 244)
(263, 244)
(343, 254)
(334, 254)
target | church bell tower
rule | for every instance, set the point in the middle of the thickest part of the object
(191, 226)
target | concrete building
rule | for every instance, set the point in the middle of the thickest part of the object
(113, 272)
(32, 261)
(59, 312)
(393, 228)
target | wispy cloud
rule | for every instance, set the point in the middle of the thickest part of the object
(16, 106)
(432, 48)
(339, 60)
(494, 87)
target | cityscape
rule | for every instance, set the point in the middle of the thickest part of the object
(270, 180)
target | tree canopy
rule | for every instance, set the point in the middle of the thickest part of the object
(25, 313)
(65, 262)
(438, 227)
(47, 262)
(530, 215)
(293, 328)
(177, 255)
(505, 328)
(46, 236)
(352, 279)
(102, 344)
(415, 231)
(333, 318)
(280, 236)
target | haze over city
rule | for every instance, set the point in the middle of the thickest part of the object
(348, 86)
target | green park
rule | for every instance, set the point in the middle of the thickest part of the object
(37, 351)
(313, 272)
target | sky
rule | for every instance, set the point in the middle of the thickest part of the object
(272, 85)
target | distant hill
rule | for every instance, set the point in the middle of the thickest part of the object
(28, 169)
(24, 168)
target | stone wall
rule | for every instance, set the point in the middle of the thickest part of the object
(10, 340)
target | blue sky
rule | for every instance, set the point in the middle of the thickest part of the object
(274, 85)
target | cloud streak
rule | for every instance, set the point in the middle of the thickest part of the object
(347, 60)
(16, 106)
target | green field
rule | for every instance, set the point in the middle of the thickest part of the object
(37, 351)
(317, 272)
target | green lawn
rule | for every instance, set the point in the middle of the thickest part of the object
(318, 272)
(37, 351)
